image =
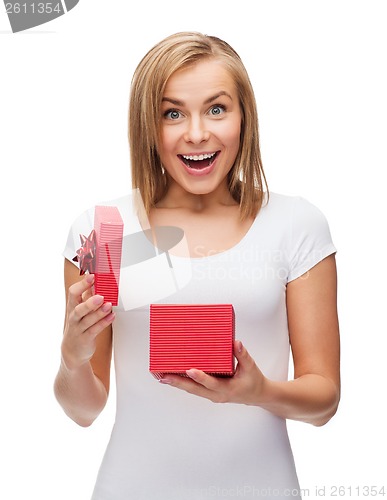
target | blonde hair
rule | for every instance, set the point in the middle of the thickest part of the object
(246, 178)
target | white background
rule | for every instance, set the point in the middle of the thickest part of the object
(318, 71)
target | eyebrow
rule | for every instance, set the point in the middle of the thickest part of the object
(176, 102)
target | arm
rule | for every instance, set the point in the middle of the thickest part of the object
(314, 393)
(82, 383)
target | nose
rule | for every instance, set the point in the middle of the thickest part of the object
(196, 131)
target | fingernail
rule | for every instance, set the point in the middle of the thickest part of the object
(165, 381)
(107, 307)
(191, 373)
(240, 347)
(110, 317)
(90, 278)
(97, 299)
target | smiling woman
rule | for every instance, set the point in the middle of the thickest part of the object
(228, 98)
(193, 132)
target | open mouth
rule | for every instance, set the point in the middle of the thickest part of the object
(198, 162)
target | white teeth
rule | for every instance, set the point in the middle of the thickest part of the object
(199, 157)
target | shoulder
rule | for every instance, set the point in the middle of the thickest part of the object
(298, 213)
(284, 202)
(297, 228)
(291, 210)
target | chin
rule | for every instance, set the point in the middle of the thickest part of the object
(201, 190)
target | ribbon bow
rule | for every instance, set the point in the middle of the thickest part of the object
(86, 253)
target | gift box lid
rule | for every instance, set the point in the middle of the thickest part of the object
(109, 227)
(184, 336)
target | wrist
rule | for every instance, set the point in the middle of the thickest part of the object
(70, 363)
(267, 392)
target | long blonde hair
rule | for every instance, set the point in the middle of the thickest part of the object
(246, 179)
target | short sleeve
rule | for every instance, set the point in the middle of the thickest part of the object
(83, 224)
(311, 239)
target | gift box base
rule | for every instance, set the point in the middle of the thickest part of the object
(184, 336)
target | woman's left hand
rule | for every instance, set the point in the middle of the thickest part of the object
(245, 387)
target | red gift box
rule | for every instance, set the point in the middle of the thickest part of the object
(184, 336)
(109, 228)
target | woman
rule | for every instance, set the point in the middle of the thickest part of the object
(193, 133)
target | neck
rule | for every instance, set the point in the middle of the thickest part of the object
(177, 197)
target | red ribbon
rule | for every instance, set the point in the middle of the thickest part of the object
(86, 254)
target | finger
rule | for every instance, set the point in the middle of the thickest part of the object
(188, 385)
(77, 289)
(89, 293)
(85, 308)
(95, 316)
(203, 379)
(98, 327)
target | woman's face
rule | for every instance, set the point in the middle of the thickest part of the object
(201, 125)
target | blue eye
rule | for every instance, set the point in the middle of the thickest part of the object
(172, 114)
(217, 110)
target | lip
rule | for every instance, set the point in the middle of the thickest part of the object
(204, 171)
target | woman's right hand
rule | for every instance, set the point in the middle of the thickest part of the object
(86, 317)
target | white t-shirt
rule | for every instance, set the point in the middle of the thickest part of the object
(167, 444)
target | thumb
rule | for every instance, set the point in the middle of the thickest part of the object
(243, 357)
(239, 351)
